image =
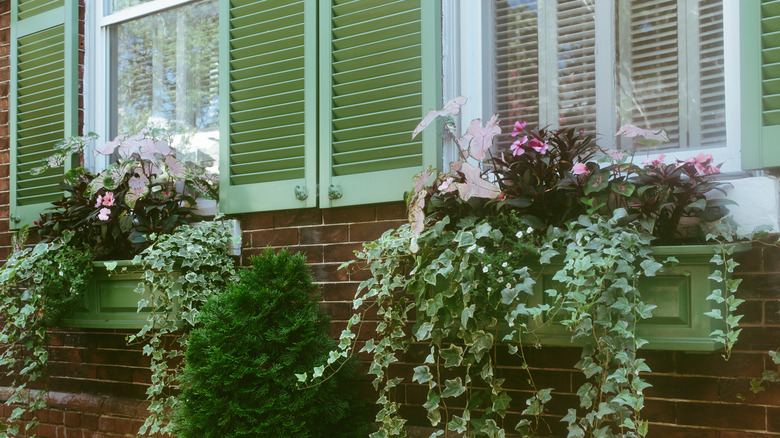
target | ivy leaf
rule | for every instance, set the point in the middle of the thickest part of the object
(422, 374)
(453, 388)
(424, 331)
(501, 403)
(453, 356)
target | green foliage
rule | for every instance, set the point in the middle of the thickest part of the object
(38, 286)
(239, 378)
(182, 270)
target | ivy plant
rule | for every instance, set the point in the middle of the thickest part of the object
(181, 270)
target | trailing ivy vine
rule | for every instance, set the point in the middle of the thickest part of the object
(181, 270)
(38, 286)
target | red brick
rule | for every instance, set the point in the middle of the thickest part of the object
(687, 388)
(296, 218)
(365, 232)
(736, 434)
(343, 215)
(328, 272)
(730, 416)
(391, 211)
(72, 419)
(338, 291)
(752, 312)
(341, 252)
(323, 234)
(773, 419)
(772, 312)
(712, 364)
(257, 221)
(121, 407)
(667, 431)
(56, 416)
(738, 391)
(90, 421)
(106, 424)
(313, 253)
(283, 237)
(759, 286)
(758, 338)
(339, 311)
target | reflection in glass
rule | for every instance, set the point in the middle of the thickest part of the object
(164, 71)
(112, 6)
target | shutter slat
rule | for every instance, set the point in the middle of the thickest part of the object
(267, 50)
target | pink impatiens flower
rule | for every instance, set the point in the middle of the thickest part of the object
(655, 161)
(519, 126)
(580, 169)
(108, 199)
(538, 145)
(515, 147)
(99, 201)
(104, 214)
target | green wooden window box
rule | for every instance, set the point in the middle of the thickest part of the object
(110, 300)
(680, 294)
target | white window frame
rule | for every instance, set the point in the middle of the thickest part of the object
(469, 21)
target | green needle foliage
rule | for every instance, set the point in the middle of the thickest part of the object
(239, 378)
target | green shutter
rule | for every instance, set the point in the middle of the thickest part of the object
(379, 73)
(43, 99)
(268, 104)
(760, 83)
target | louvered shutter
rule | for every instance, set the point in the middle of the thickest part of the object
(379, 73)
(760, 83)
(268, 81)
(43, 99)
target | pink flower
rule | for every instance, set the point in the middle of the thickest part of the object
(655, 161)
(519, 126)
(580, 169)
(538, 145)
(108, 199)
(104, 213)
(502, 197)
(515, 147)
(99, 201)
(703, 164)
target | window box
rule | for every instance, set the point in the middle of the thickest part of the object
(680, 294)
(110, 300)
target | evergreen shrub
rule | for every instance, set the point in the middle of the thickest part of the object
(239, 378)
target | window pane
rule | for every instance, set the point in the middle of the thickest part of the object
(164, 73)
(111, 6)
(516, 61)
(713, 93)
(648, 66)
(576, 50)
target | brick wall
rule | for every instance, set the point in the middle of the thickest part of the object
(98, 383)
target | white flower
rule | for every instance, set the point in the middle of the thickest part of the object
(500, 279)
(509, 285)
(481, 250)
(489, 289)
(587, 238)
(485, 269)
(519, 234)
(504, 265)
(529, 230)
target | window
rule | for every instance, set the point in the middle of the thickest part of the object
(162, 70)
(596, 65)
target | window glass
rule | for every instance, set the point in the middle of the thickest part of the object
(112, 6)
(667, 66)
(164, 74)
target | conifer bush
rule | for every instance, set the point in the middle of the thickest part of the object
(239, 378)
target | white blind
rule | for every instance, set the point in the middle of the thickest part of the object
(576, 50)
(516, 61)
(713, 95)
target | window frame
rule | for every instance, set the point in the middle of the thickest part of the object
(470, 23)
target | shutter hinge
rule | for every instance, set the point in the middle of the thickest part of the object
(301, 193)
(334, 192)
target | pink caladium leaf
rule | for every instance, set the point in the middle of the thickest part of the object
(116, 172)
(138, 180)
(129, 147)
(416, 213)
(452, 108)
(475, 186)
(631, 131)
(110, 146)
(420, 180)
(479, 139)
(175, 168)
(150, 149)
(133, 195)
